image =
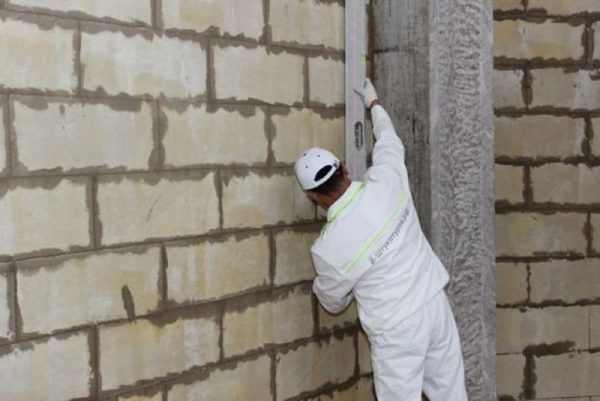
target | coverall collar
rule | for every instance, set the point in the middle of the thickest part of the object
(344, 201)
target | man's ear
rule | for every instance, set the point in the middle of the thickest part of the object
(344, 169)
(311, 195)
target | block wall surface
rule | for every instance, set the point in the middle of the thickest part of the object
(154, 243)
(547, 153)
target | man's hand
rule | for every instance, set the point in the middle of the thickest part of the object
(368, 94)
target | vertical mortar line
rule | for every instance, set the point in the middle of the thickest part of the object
(165, 392)
(267, 34)
(526, 87)
(96, 382)
(588, 232)
(272, 257)
(589, 327)
(306, 71)
(529, 376)
(528, 270)
(356, 355)
(94, 214)
(18, 318)
(6, 112)
(164, 284)
(316, 313)
(157, 22)
(273, 354)
(219, 188)
(157, 159)
(589, 42)
(210, 73)
(528, 190)
(524, 190)
(221, 322)
(78, 66)
(13, 300)
(588, 136)
(270, 136)
(11, 136)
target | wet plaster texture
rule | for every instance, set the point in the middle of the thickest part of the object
(547, 198)
(154, 243)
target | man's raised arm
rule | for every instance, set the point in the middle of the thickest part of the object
(388, 150)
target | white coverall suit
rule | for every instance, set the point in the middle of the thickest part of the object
(372, 248)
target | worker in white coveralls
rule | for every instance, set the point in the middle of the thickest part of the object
(372, 248)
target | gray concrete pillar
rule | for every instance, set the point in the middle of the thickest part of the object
(433, 70)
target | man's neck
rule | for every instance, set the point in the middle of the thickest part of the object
(335, 195)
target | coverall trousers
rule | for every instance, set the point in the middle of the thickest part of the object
(421, 354)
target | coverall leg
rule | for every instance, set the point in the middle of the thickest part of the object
(444, 378)
(421, 354)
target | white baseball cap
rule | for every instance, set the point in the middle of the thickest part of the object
(310, 163)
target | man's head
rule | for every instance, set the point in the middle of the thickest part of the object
(322, 177)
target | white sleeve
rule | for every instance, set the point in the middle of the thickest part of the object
(333, 290)
(388, 152)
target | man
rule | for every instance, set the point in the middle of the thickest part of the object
(372, 248)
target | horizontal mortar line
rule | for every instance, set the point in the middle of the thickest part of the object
(159, 389)
(190, 374)
(326, 389)
(550, 109)
(336, 107)
(166, 241)
(164, 102)
(173, 311)
(182, 307)
(546, 111)
(163, 170)
(547, 208)
(538, 63)
(549, 304)
(534, 15)
(210, 33)
(567, 352)
(38, 338)
(568, 67)
(542, 161)
(543, 258)
(294, 48)
(310, 49)
(64, 16)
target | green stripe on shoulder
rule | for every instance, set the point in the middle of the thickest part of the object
(365, 248)
(351, 199)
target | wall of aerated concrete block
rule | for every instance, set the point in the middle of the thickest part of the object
(153, 240)
(547, 103)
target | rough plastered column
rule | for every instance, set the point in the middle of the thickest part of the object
(433, 68)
